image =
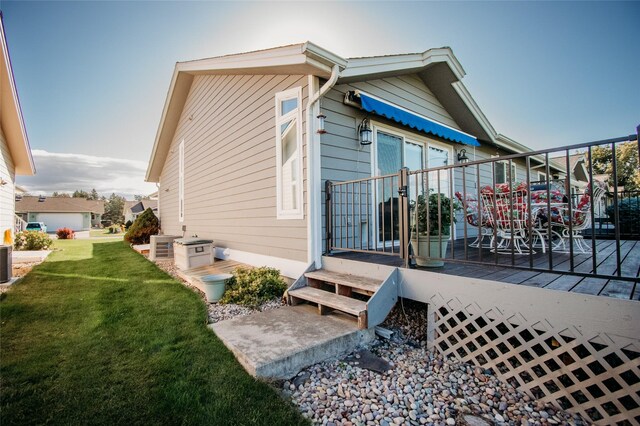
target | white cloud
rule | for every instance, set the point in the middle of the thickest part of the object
(65, 172)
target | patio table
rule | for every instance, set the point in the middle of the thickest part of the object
(540, 210)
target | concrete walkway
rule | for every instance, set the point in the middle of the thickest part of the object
(29, 256)
(279, 343)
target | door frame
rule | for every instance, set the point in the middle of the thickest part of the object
(406, 136)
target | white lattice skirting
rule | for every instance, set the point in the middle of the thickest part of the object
(581, 353)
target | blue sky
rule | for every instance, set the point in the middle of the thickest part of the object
(93, 76)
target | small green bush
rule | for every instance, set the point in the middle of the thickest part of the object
(143, 228)
(253, 286)
(628, 215)
(32, 240)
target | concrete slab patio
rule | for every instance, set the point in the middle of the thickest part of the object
(279, 343)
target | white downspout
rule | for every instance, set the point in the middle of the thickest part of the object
(314, 189)
(158, 188)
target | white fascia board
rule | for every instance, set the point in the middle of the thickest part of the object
(23, 143)
(511, 145)
(324, 56)
(466, 97)
(298, 54)
(412, 62)
(156, 176)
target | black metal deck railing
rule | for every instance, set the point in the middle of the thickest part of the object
(545, 214)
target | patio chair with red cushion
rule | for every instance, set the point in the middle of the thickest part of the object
(471, 215)
(579, 219)
(509, 213)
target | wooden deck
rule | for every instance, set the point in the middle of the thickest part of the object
(219, 267)
(495, 267)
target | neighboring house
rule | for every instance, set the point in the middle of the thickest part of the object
(133, 209)
(77, 214)
(15, 153)
(240, 157)
(578, 166)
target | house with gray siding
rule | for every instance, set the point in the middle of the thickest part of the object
(247, 141)
(15, 153)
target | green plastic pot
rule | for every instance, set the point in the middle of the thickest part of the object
(214, 286)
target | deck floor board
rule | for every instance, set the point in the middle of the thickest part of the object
(496, 267)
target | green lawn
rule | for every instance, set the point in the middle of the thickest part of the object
(99, 335)
(101, 233)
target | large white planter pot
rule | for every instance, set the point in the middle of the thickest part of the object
(429, 245)
(214, 286)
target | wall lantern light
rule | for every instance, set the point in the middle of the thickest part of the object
(366, 134)
(462, 156)
(321, 129)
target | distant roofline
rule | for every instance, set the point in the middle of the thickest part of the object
(310, 59)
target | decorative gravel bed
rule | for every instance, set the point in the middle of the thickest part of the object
(218, 311)
(420, 387)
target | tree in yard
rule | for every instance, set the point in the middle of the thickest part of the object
(141, 230)
(626, 164)
(114, 209)
(93, 195)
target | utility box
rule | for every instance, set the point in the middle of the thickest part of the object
(5, 264)
(161, 246)
(189, 253)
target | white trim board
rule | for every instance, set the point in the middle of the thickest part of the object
(296, 114)
(289, 268)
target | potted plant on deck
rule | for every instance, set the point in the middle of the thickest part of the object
(430, 236)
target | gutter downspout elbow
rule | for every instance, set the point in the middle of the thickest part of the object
(314, 188)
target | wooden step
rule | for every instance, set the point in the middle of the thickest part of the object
(327, 301)
(370, 285)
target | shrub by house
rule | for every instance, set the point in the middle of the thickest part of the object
(65, 234)
(254, 286)
(143, 228)
(32, 240)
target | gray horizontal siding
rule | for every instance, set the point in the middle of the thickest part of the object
(342, 156)
(228, 125)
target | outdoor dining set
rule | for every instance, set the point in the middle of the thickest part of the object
(519, 218)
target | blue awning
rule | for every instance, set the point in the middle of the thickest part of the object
(415, 121)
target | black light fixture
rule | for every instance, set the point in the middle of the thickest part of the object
(365, 132)
(462, 156)
(321, 118)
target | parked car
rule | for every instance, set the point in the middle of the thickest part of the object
(36, 226)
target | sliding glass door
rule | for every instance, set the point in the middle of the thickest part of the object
(389, 161)
(393, 150)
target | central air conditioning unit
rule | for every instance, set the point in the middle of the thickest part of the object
(161, 247)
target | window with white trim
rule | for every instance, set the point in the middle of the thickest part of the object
(502, 171)
(181, 181)
(289, 154)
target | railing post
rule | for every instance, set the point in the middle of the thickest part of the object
(403, 213)
(328, 232)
